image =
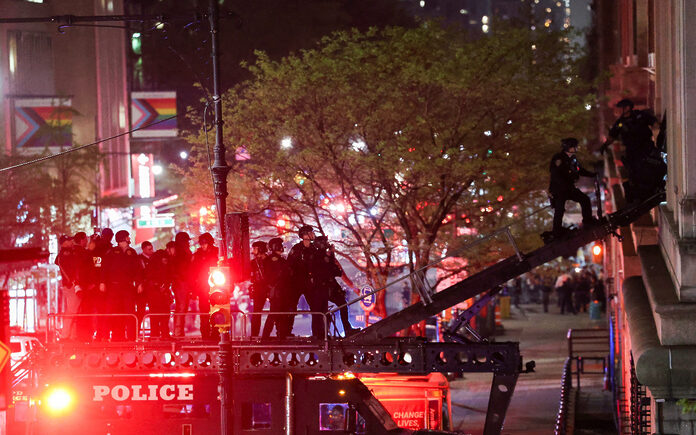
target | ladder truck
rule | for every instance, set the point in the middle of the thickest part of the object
(299, 385)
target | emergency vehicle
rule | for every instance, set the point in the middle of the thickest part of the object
(298, 385)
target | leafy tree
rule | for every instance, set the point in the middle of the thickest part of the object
(396, 133)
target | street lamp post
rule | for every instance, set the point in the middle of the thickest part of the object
(220, 171)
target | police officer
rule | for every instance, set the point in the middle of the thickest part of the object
(67, 261)
(182, 279)
(120, 281)
(86, 287)
(565, 172)
(277, 276)
(157, 290)
(300, 264)
(205, 257)
(145, 257)
(259, 288)
(645, 166)
(327, 269)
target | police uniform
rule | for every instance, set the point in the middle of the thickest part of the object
(323, 272)
(121, 273)
(67, 261)
(182, 283)
(277, 276)
(203, 260)
(299, 260)
(565, 171)
(258, 292)
(157, 291)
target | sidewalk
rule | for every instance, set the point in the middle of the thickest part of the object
(534, 405)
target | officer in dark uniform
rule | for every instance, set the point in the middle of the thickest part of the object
(642, 159)
(157, 291)
(277, 276)
(204, 258)
(565, 172)
(145, 257)
(327, 269)
(69, 303)
(300, 258)
(182, 279)
(86, 287)
(121, 280)
(259, 289)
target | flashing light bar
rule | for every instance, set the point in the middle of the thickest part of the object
(171, 375)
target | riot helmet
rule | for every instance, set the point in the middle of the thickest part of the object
(122, 236)
(305, 229)
(321, 243)
(261, 246)
(626, 102)
(205, 238)
(182, 237)
(275, 244)
(568, 143)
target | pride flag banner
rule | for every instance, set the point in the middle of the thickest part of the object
(156, 108)
(41, 123)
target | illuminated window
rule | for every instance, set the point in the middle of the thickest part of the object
(256, 416)
(332, 416)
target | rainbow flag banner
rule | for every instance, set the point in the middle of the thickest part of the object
(41, 123)
(153, 114)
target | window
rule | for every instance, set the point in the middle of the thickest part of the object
(256, 416)
(332, 416)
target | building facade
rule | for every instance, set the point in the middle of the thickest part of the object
(646, 45)
(70, 80)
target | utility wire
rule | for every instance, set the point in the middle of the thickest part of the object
(72, 150)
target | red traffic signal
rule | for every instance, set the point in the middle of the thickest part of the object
(597, 253)
(219, 281)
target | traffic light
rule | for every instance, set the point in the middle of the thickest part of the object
(220, 284)
(597, 253)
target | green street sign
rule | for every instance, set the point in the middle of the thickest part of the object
(155, 222)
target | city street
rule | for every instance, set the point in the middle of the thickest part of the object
(542, 338)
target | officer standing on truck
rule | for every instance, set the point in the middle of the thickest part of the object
(300, 259)
(565, 171)
(121, 280)
(204, 258)
(182, 282)
(327, 269)
(277, 276)
(157, 289)
(259, 288)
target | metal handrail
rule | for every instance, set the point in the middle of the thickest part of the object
(55, 316)
(561, 427)
(596, 348)
(246, 316)
(502, 230)
(173, 315)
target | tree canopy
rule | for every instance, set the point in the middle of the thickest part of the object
(385, 139)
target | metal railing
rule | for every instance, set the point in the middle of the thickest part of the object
(239, 323)
(53, 319)
(566, 391)
(247, 316)
(640, 405)
(588, 345)
(418, 277)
